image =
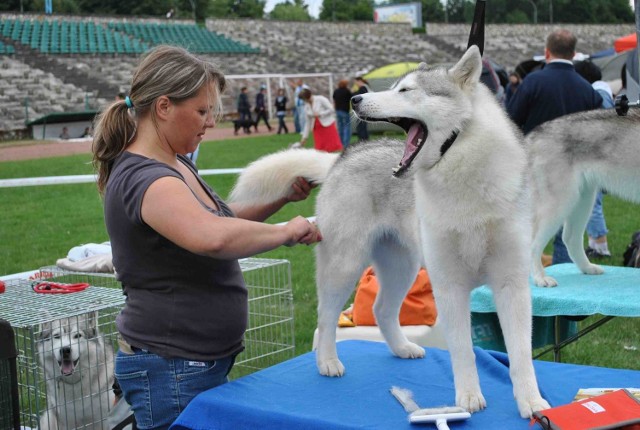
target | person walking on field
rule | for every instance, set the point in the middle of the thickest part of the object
(281, 111)
(261, 109)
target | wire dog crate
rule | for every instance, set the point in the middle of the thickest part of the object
(39, 320)
(269, 338)
(65, 350)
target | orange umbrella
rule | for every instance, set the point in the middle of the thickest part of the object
(625, 43)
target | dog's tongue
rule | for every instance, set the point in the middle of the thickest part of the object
(67, 367)
(414, 135)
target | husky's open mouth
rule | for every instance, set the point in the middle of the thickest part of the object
(67, 366)
(417, 133)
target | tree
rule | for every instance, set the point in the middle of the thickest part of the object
(237, 8)
(346, 10)
(455, 10)
(290, 11)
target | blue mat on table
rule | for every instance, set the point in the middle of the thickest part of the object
(614, 293)
(292, 395)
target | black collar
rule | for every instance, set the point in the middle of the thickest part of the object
(447, 143)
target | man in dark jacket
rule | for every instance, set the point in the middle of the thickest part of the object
(261, 109)
(549, 93)
(244, 110)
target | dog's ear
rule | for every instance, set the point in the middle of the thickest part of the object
(44, 331)
(466, 73)
(422, 66)
(91, 324)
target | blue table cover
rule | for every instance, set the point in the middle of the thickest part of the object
(292, 395)
(614, 293)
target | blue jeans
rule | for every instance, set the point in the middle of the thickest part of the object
(596, 227)
(298, 118)
(344, 127)
(362, 131)
(158, 389)
(560, 253)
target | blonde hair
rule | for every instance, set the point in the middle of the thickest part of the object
(168, 71)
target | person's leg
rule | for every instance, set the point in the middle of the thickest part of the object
(597, 230)
(362, 131)
(159, 389)
(343, 127)
(297, 114)
(560, 253)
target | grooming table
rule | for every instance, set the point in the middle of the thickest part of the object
(292, 395)
(616, 293)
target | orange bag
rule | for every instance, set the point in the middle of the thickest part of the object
(418, 308)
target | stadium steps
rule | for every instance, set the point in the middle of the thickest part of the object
(442, 45)
(73, 76)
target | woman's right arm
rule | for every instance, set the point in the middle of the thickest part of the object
(170, 208)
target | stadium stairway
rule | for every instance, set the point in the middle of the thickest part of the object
(70, 75)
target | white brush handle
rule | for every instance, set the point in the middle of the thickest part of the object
(441, 424)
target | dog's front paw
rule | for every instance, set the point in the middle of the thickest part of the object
(593, 269)
(545, 281)
(472, 401)
(331, 367)
(534, 404)
(410, 350)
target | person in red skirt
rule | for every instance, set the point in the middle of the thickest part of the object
(321, 118)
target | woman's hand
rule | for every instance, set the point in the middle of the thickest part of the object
(300, 190)
(302, 231)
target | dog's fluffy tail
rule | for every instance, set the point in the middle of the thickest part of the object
(269, 178)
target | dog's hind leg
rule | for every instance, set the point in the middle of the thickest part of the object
(336, 278)
(573, 232)
(396, 269)
(513, 303)
(546, 222)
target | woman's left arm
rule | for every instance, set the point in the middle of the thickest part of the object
(300, 190)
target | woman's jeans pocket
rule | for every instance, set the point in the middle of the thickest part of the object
(159, 389)
(136, 389)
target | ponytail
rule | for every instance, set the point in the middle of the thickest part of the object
(113, 129)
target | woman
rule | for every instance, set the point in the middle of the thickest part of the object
(321, 116)
(175, 243)
(281, 111)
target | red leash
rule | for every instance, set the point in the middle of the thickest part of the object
(58, 288)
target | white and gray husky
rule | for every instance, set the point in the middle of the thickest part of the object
(78, 369)
(462, 208)
(570, 159)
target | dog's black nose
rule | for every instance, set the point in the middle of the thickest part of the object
(66, 351)
(356, 99)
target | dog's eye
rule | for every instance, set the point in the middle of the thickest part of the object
(77, 335)
(403, 90)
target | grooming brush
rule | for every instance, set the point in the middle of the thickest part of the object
(438, 416)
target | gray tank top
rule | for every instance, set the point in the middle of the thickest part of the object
(179, 304)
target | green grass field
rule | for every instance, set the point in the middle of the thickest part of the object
(40, 224)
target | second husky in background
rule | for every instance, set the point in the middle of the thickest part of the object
(570, 159)
(78, 369)
(460, 204)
